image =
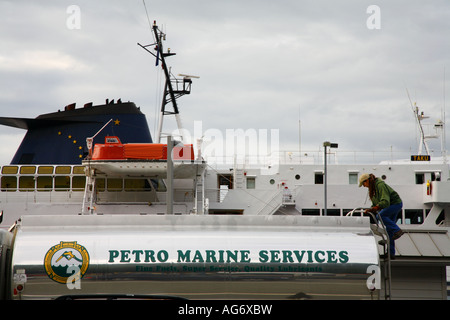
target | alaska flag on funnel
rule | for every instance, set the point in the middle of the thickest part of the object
(60, 137)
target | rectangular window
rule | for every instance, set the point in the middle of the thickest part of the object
(137, 185)
(115, 184)
(414, 216)
(420, 178)
(45, 170)
(27, 170)
(78, 183)
(311, 212)
(62, 170)
(10, 169)
(45, 183)
(62, 183)
(100, 184)
(26, 183)
(353, 178)
(318, 178)
(251, 183)
(9, 183)
(78, 170)
(333, 212)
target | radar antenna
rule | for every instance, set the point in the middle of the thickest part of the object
(174, 87)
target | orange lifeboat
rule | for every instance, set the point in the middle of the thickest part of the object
(114, 149)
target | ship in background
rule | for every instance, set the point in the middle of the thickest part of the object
(55, 172)
(60, 137)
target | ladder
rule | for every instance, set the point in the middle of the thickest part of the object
(380, 229)
(200, 206)
(89, 194)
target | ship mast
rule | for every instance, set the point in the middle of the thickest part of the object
(439, 126)
(174, 87)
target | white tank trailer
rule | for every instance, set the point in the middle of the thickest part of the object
(189, 257)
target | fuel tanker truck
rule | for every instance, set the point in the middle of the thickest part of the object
(189, 257)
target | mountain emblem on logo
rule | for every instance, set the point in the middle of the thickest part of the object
(66, 259)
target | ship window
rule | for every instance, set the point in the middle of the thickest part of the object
(420, 178)
(45, 183)
(158, 185)
(413, 216)
(137, 185)
(251, 183)
(115, 184)
(9, 183)
(100, 184)
(26, 183)
(62, 170)
(311, 212)
(78, 170)
(78, 183)
(333, 212)
(27, 170)
(353, 178)
(45, 170)
(62, 183)
(356, 213)
(9, 169)
(318, 178)
(225, 180)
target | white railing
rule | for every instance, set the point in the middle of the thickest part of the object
(335, 156)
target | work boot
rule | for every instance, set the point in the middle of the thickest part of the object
(397, 235)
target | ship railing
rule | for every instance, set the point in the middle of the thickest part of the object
(40, 195)
(315, 157)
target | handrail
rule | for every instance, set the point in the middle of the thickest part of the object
(386, 246)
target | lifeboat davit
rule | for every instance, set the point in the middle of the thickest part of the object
(143, 159)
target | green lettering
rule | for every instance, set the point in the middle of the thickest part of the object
(332, 257)
(263, 257)
(244, 256)
(221, 260)
(124, 255)
(310, 254)
(343, 256)
(112, 255)
(316, 256)
(137, 254)
(274, 256)
(233, 255)
(299, 256)
(287, 256)
(186, 257)
(197, 257)
(210, 256)
(162, 256)
(149, 256)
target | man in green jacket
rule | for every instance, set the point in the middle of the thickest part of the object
(387, 203)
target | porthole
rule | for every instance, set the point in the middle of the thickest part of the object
(272, 181)
(297, 177)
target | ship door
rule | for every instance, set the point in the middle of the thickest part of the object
(225, 180)
(225, 183)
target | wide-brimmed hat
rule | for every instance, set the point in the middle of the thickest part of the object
(363, 178)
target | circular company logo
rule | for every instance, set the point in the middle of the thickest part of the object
(65, 260)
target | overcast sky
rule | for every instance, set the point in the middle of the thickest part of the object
(341, 68)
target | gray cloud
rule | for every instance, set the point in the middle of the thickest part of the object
(261, 64)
